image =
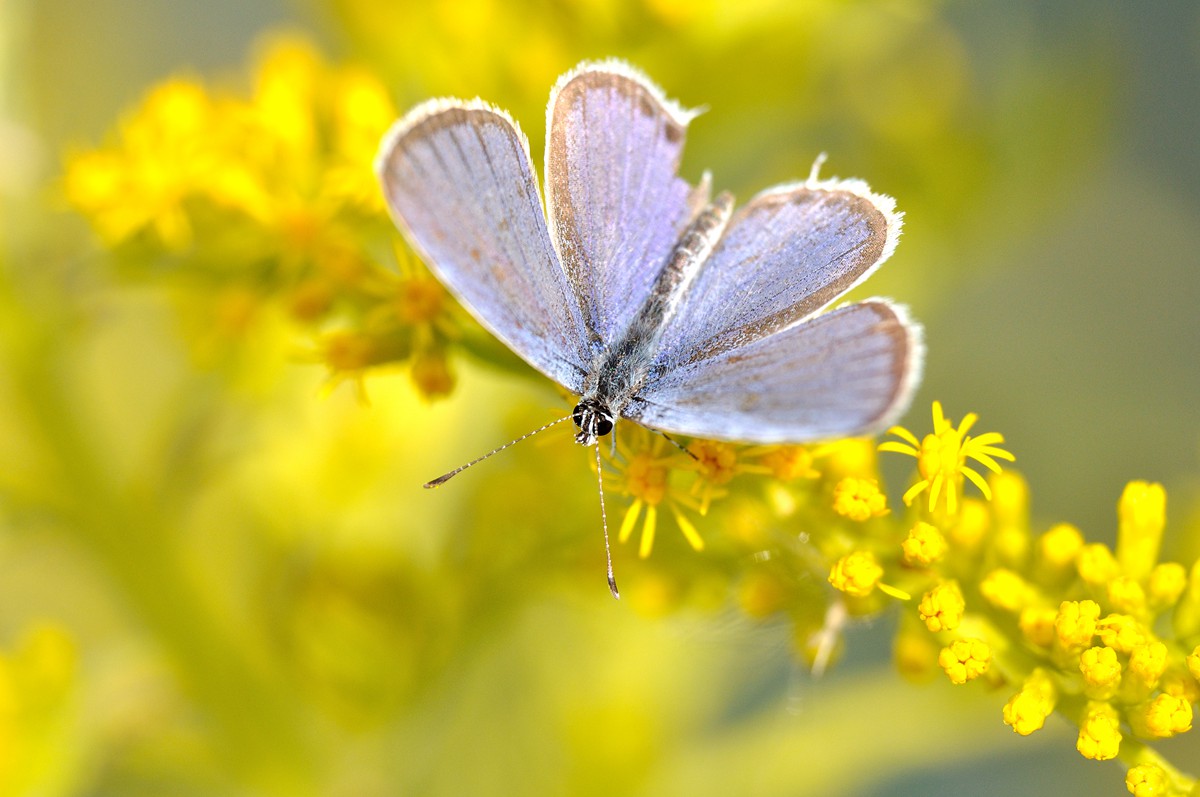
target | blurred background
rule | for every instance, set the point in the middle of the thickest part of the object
(218, 572)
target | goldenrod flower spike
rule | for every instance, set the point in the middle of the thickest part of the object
(942, 458)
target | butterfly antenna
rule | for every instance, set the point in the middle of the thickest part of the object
(679, 445)
(612, 580)
(440, 480)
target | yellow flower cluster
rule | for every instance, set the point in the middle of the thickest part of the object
(268, 198)
(1075, 627)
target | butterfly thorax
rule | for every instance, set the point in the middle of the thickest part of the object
(619, 371)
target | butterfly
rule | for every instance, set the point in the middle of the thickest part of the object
(641, 293)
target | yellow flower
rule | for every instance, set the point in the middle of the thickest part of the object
(941, 609)
(787, 463)
(1037, 625)
(1147, 780)
(1097, 566)
(647, 478)
(972, 525)
(924, 545)
(716, 464)
(1164, 716)
(965, 659)
(1005, 589)
(859, 499)
(1142, 515)
(1126, 595)
(1026, 711)
(942, 458)
(1075, 624)
(1167, 582)
(856, 574)
(1147, 662)
(1101, 669)
(1100, 733)
(1060, 546)
(431, 374)
(1193, 662)
(1121, 632)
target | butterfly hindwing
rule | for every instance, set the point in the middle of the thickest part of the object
(786, 254)
(843, 373)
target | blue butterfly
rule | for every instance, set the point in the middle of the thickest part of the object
(639, 292)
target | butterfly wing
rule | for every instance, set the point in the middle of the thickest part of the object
(615, 202)
(460, 184)
(788, 253)
(844, 373)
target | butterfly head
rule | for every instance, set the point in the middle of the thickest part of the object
(593, 420)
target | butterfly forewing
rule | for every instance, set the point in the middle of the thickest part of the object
(786, 254)
(616, 204)
(847, 372)
(458, 179)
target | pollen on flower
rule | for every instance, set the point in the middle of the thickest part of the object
(1060, 546)
(1075, 624)
(924, 545)
(941, 609)
(1164, 716)
(1100, 732)
(1004, 589)
(1101, 669)
(1026, 711)
(1147, 780)
(965, 659)
(856, 574)
(1167, 582)
(942, 458)
(1097, 565)
(859, 499)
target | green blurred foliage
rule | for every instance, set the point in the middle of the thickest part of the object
(217, 576)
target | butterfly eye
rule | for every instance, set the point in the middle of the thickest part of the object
(604, 423)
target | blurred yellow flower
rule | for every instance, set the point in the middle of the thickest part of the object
(859, 499)
(856, 574)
